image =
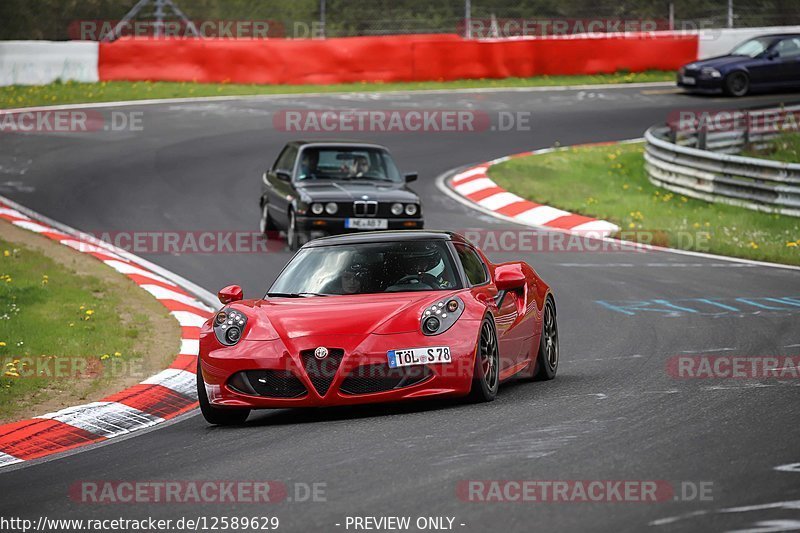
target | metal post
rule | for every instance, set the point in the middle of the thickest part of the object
(672, 16)
(730, 13)
(322, 18)
(468, 18)
(159, 15)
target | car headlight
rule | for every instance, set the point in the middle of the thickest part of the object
(229, 325)
(710, 72)
(397, 209)
(411, 209)
(331, 208)
(317, 209)
(440, 316)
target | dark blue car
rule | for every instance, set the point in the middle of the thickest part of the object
(770, 62)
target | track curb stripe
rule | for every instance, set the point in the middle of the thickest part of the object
(161, 397)
(474, 185)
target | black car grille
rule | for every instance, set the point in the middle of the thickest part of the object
(322, 371)
(267, 383)
(381, 377)
(365, 208)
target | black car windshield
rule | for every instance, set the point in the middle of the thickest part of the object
(347, 163)
(369, 268)
(753, 47)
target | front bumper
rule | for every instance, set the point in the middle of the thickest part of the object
(336, 225)
(701, 84)
(220, 366)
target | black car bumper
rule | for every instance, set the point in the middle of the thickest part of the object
(699, 84)
(336, 225)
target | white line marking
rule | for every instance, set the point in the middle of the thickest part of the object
(500, 200)
(32, 226)
(539, 216)
(126, 268)
(180, 381)
(107, 419)
(791, 467)
(709, 350)
(186, 318)
(477, 171)
(12, 212)
(190, 347)
(6, 459)
(162, 293)
(475, 186)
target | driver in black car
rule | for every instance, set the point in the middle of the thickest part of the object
(308, 163)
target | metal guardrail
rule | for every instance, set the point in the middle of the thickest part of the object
(700, 163)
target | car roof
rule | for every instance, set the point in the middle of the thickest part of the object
(387, 236)
(334, 142)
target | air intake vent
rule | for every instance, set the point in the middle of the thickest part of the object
(322, 371)
(267, 383)
(381, 377)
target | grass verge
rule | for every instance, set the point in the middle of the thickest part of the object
(609, 182)
(786, 148)
(71, 93)
(71, 329)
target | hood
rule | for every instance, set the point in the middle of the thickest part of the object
(719, 62)
(340, 315)
(325, 191)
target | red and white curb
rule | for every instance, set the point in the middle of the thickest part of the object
(475, 186)
(153, 401)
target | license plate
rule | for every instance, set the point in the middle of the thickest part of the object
(367, 223)
(686, 80)
(419, 356)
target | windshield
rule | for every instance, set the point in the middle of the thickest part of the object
(369, 268)
(343, 163)
(753, 47)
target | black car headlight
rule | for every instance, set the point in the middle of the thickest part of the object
(411, 209)
(331, 208)
(229, 325)
(709, 72)
(440, 316)
(317, 209)
(397, 209)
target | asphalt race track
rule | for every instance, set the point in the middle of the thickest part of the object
(613, 413)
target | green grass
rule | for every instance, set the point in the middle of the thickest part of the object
(785, 147)
(609, 182)
(48, 314)
(69, 93)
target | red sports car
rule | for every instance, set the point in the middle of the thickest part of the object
(377, 317)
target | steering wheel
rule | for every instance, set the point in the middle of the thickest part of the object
(424, 278)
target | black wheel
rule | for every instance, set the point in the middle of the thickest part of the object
(547, 359)
(266, 225)
(215, 415)
(294, 238)
(486, 376)
(736, 84)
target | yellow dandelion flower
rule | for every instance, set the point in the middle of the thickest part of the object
(2, 343)
(791, 244)
(89, 312)
(753, 245)
(117, 354)
(104, 357)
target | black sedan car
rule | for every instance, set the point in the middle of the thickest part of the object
(770, 62)
(324, 188)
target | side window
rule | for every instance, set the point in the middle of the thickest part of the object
(473, 265)
(788, 47)
(285, 161)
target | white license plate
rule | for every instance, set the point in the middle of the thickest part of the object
(367, 223)
(419, 356)
(686, 80)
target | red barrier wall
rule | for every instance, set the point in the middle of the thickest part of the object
(386, 59)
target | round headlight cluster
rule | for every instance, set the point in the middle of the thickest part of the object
(440, 316)
(397, 209)
(331, 208)
(229, 325)
(317, 209)
(411, 209)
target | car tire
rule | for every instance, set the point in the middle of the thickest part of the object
(547, 357)
(736, 84)
(215, 415)
(294, 238)
(266, 225)
(486, 373)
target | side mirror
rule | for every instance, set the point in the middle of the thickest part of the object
(509, 277)
(283, 175)
(411, 176)
(231, 293)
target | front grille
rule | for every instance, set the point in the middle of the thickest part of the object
(365, 209)
(267, 383)
(381, 377)
(322, 371)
